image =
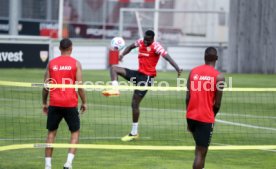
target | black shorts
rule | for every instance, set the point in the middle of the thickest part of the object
(139, 79)
(202, 132)
(70, 115)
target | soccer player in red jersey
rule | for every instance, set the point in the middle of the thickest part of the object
(203, 100)
(63, 101)
(149, 54)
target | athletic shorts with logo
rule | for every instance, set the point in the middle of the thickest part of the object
(139, 79)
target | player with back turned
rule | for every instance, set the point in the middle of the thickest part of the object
(63, 101)
(203, 100)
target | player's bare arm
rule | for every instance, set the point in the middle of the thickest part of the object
(45, 92)
(81, 90)
(188, 92)
(168, 58)
(188, 97)
(127, 50)
(218, 96)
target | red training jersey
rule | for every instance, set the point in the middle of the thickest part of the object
(202, 94)
(149, 56)
(63, 70)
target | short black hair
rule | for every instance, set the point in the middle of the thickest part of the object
(150, 33)
(210, 54)
(65, 44)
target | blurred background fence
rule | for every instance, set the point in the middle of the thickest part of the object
(184, 27)
(243, 31)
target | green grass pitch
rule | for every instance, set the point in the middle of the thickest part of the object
(246, 118)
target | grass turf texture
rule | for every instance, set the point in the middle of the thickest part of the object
(162, 123)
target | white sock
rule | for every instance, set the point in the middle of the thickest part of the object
(134, 130)
(115, 83)
(48, 161)
(70, 158)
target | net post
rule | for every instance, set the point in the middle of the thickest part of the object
(139, 24)
(156, 18)
(121, 21)
(60, 19)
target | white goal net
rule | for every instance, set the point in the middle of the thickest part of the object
(174, 26)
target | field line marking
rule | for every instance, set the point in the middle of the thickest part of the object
(246, 115)
(64, 138)
(221, 144)
(245, 125)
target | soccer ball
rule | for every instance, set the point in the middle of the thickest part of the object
(117, 43)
